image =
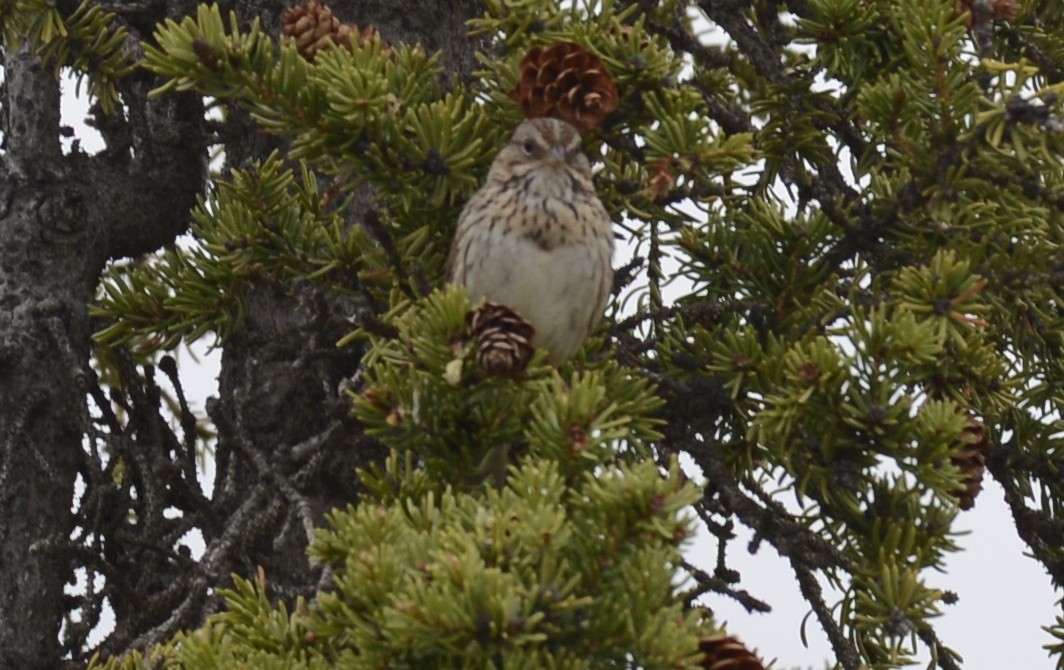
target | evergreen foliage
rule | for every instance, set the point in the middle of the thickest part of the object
(87, 41)
(863, 200)
(572, 564)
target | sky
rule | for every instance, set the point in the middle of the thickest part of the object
(1005, 597)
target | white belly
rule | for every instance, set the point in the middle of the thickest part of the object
(561, 292)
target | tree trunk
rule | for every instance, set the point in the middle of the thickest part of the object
(62, 219)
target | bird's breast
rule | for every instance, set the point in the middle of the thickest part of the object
(560, 291)
(554, 215)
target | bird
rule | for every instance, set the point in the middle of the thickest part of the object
(536, 238)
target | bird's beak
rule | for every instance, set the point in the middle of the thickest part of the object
(557, 152)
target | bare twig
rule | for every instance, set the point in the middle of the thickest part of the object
(845, 651)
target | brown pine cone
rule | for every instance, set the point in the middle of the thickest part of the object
(725, 652)
(970, 459)
(503, 339)
(567, 82)
(660, 179)
(1005, 10)
(313, 28)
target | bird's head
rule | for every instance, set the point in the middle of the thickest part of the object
(544, 142)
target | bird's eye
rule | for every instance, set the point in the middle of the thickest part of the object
(529, 147)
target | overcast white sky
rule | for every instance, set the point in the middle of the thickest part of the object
(1004, 597)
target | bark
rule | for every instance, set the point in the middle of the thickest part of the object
(62, 218)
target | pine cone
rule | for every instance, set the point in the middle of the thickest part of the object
(1005, 10)
(313, 28)
(724, 652)
(970, 459)
(660, 179)
(567, 82)
(503, 339)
